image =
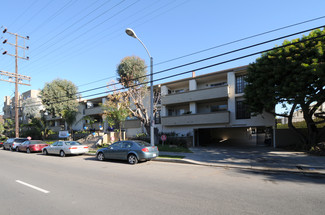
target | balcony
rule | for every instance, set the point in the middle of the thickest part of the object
(93, 111)
(196, 95)
(133, 123)
(197, 119)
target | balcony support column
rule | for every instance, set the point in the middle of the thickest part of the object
(193, 107)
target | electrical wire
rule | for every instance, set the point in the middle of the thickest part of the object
(218, 46)
(70, 26)
(81, 49)
(219, 55)
(55, 14)
(25, 11)
(242, 39)
(87, 31)
(197, 69)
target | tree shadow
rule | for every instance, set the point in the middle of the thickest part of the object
(295, 177)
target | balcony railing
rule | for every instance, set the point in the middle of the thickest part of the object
(93, 111)
(196, 95)
(197, 119)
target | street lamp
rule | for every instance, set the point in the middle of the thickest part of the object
(131, 33)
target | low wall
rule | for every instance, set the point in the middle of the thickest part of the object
(287, 137)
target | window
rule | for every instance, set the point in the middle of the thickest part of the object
(241, 111)
(157, 117)
(240, 83)
(127, 145)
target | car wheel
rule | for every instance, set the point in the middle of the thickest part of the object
(10, 148)
(100, 156)
(17, 150)
(132, 159)
(45, 152)
(28, 150)
(62, 154)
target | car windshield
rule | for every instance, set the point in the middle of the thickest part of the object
(72, 143)
(142, 143)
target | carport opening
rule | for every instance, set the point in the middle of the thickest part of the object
(243, 136)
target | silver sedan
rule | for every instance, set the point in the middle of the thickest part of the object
(63, 148)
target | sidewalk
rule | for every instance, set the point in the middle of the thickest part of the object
(255, 158)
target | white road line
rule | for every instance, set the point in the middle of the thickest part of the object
(32, 186)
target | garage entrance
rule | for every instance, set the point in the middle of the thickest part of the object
(243, 136)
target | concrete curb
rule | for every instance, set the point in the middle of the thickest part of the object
(233, 166)
(226, 166)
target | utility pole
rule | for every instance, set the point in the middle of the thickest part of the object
(18, 78)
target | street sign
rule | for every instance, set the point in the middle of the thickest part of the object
(163, 137)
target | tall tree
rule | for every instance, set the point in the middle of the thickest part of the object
(293, 76)
(59, 98)
(2, 128)
(32, 108)
(132, 75)
(70, 117)
(116, 110)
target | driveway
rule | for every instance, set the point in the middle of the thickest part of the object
(264, 158)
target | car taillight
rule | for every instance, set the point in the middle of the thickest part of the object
(86, 147)
(145, 150)
(73, 148)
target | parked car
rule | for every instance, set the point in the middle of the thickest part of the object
(1, 144)
(31, 146)
(63, 148)
(12, 143)
(132, 151)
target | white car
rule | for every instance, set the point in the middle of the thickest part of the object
(63, 148)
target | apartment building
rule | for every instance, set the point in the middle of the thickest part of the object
(298, 115)
(89, 117)
(211, 109)
(208, 108)
(9, 105)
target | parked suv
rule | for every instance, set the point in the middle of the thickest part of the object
(12, 143)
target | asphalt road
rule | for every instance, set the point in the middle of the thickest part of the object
(83, 185)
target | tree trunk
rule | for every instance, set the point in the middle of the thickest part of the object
(120, 131)
(302, 137)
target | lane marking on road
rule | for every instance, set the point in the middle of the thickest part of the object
(32, 186)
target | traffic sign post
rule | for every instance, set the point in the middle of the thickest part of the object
(163, 138)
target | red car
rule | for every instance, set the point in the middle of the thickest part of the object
(31, 146)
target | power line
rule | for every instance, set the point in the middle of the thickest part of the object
(239, 40)
(225, 44)
(87, 31)
(92, 38)
(97, 81)
(197, 69)
(219, 55)
(69, 27)
(55, 14)
(33, 16)
(25, 11)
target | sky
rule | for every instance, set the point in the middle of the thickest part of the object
(84, 40)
